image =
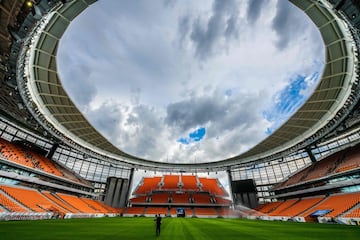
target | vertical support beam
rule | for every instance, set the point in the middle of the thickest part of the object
(131, 177)
(311, 155)
(52, 150)
(230, 185)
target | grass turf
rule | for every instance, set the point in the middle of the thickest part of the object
(172, 228)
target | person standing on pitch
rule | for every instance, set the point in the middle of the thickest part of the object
(158, 224)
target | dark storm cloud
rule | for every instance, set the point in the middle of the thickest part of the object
(254, 10)
(219, 112)
(191, 113)
(206, 35)
(288, 24)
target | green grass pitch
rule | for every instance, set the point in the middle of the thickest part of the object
(172, 228)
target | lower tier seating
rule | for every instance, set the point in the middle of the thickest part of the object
(20, 199)
(157, 210)
(205, 211)
(346, 204)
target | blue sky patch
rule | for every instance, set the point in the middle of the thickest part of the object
(287, 101)
(194, 136)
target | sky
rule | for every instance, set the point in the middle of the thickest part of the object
(189, 81)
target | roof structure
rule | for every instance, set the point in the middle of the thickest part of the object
(44, 93)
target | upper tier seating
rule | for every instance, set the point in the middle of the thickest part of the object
(149, 184)
(323, 167)
(140, 199)
(189, 182)
(351, 161)
(211, 185)
(31, 159)
(171, 182)
(15, 154)
(341, 161)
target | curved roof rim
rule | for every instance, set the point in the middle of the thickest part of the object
(59, 111)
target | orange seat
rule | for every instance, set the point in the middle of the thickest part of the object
(212, 185)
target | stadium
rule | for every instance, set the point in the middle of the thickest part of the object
(55, 165)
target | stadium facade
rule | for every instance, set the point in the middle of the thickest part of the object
(35, 108)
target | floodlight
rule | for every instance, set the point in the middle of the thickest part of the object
(29, 4)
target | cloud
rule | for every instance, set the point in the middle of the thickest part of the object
(288, 23)
(254, 10)
(208, 34)
(105, 125)
(153, 72)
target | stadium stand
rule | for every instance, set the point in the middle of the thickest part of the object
(148, 185)
(317, 167)
(355, 213)
(31, 159)
(170, 182)
(350, 161)
(282, 207)
(60, 202)
(227, 212)
(10, 204)
(77, 203)
(140, 199)
(98, 206)
(160, 198)
(202, 198)
(189, 182)
(300, 206)
(180, 197)
(31, 199)
(340, 162)
(269, 207)
(337, 204)
(220, 200)
(134, 211)
(157, 210)
(205, 211)
(212, 186)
